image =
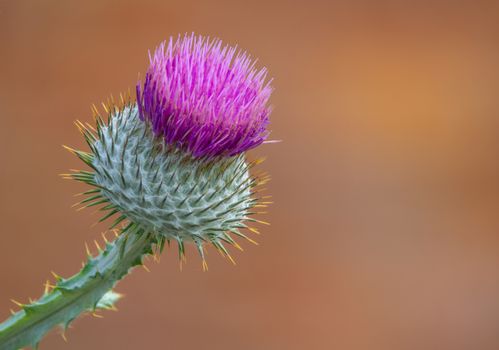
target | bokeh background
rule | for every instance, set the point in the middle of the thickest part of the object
(386, 187)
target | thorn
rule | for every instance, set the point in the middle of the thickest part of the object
(146, 268)
(252, 241)
(263, 181)
(47, 287)
(104, 237)
(97, 245)
(231, 259)
(12, 312)
(90, 127)
(63, 335)
(261, 222)
(254, 230)
(105, 107)
(205, 266)
(237, 246)
(17, 303)
(56, 276)
(89, 254)
(97, 315)
(69, 149)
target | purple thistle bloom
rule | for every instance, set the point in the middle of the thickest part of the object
(205, 97)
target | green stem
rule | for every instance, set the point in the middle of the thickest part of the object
(88, 290)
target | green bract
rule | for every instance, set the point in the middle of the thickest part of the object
(166, 190)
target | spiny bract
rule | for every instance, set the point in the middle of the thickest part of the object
(163, 189)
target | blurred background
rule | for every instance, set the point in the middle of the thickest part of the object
(385, 225)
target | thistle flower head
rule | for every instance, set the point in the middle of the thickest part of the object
(205, 97)
(173, 164)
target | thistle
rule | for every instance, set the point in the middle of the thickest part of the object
(168, 168)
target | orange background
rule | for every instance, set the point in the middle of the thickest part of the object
(385, 224)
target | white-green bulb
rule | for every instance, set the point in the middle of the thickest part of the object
(165, 189)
